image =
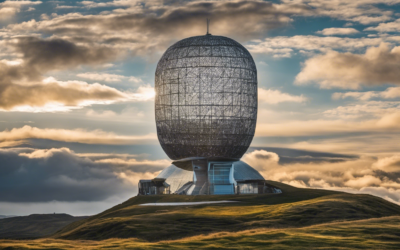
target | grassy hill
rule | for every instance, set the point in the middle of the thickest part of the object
(34, 225)
(6, 216)
(377, 233)
(294, 208)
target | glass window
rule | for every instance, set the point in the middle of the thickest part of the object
(248, 188)
(219, 174)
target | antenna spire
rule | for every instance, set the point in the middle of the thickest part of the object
(208, 24)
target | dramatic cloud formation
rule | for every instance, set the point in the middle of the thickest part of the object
(378, 66)
(378, 119)
(338, 31)
(369, 109)
(52, 95)
(9, 8)
(89, 40)
(60, 174)
(78, 135)
(361, 11)
(366, 174)
(22, 87)
(283, 46)
(57, 96)
(44, 55)
(275, 96)
(389, 93)
(386, 27)
(59, 58)
(143, 28)
(108, 77)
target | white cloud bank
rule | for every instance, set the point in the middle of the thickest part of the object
(52, 95)
(378, 66)
(337, 31)
(275, 96)
(389, 93)
(370, 175)
(77, 135)
(9, 8)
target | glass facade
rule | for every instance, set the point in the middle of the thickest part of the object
(152, 187)
(219, 174)
(220, 178)
(247, 188)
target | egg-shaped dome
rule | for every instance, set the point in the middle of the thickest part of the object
(206, 98)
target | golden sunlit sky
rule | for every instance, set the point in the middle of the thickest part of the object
(77, 126)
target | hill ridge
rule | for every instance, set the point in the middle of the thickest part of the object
(35, 225)
(295, 207)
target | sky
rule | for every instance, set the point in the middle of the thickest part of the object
(77, 126)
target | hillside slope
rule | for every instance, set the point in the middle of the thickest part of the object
(376, 233)
(34, 225)
(295, 207)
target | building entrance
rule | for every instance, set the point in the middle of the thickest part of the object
(221, 178)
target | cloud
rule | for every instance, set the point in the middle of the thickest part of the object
(66, 7)
(284, 46)
(61, 175)
(275, 96)
(388, 164)
(366, 174)
(77, 135)
(104, 114)
(337, 31)
(386, 27)
(378, 66)
(129, 113)
(101, 76)
(145, 28)
(108, 77)
(45, 55)
(22, 87)
(351, 143)
(361, 11)
(9, 8)
(369, 109)
(144, 93)
(292, 156)
(115, 3)
(342, 123)
(57, 96)
(389, 93)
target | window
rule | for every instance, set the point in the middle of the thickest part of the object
(219, 174)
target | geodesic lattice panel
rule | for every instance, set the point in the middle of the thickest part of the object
(206, 98)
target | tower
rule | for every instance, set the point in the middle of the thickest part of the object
(206, 112)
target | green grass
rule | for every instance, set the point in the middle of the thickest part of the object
(293, 208)
(378, 233)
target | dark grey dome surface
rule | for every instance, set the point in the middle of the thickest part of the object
(206, 98)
